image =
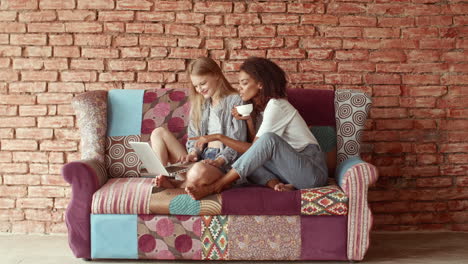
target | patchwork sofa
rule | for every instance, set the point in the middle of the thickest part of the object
(109, 214)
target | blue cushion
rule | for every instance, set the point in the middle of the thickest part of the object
(124, 112)
(114, 236)
(344, 166)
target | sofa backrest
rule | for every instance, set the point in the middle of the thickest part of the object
(336, 118)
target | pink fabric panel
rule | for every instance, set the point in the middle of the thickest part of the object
(357, 181)
(123, 196)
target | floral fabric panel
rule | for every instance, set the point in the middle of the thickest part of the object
(91, 113)
(169, 237)
(351, 111)
(214, 237)
(264, 237)
(121, 160)
(328, 200)
(167, 108)
(178, 202)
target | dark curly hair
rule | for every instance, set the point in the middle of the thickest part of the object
(269, 74)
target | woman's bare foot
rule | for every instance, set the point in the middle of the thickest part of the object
(281, 187)
(163, 182)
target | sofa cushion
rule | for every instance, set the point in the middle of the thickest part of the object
(91, 113)
(352, 109)
(327, 200)
(121, 159)
(124, 112)
(123, 196)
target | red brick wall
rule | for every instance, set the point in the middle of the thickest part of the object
(410, 54)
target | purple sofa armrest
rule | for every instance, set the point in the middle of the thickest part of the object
(355, 177)
(85, 177)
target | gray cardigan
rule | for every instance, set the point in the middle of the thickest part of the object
(230, 127)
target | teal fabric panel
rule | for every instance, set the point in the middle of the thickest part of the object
(344, 166)
(114, 236)
(326, 137)
(184, 205)
(124, 112)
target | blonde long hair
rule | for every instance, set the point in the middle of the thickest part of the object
(200, 67)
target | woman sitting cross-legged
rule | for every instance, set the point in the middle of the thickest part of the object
(285, 155)
(211, 98)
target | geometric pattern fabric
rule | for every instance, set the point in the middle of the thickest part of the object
(327, 200)
(214, 237)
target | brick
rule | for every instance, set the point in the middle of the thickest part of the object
(4, 63)
(28, 64)
(257, 31)
(211, 44)
(92, 40)
(20, 5)
(244, 54)
(126, 65)
(280, 19)
(396, 22)
(182, 30)
(383, 78)
(453, 147)
(54, 98)
(17, 144)
(341, 78)
(437, 44)
(424, 90)
(67, 134)
(10, 51)
(434, 182)
(434, 20)
(99, 53)
(173, 5)
(6, 133)
(155, 16)
(358, 21)
(28, 39)
(5, 157)
(381, 32)
(390, 147)
(320, 54)
(78, 76)
(58, 145)
(30, 87)
(37, 16)
(457, 113)
(158, 41)
(457, 158)
(92, 4)
(13, 191)
(35, 133)
(7, 203)
(116, 16)
(68, 52)
(213, 7)
(352, 54)
(166, 65)
(32, 110)
(294, 30)
(150, 77)
(12, 27)
(90, 64)
(27, 227)
(116, 76)
(76, 15)
(60, 40)
(387, 56)
(242, 19)
(421, 79)
(319, 19)
(55, 122)
(46, 27)
(218, 31)
(317, 65)
(22, 179)
(29, 156)
(456, 56)
(308, 42)
(423, 55)
(56, 157)
(270, 7)
(56, 64)
(346, 8)
(427, 113)
(11, 215)
(190, 18)
(304, 8)
(184, 53)
(17, 121)
(356, 67)
(83, 27)
(189, 42)
(158, 52)
(8, 15)
(389, 113)
(410, 67)
(126, 41)
(286, 53)
(54, 4)
(419, 33)
(394, 124)
(57, 228)
(454, 79)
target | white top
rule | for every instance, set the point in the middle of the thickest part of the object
(214, 127)
(281, 118)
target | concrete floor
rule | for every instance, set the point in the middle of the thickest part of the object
(427, 248)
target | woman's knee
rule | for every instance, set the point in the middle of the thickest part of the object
(159, 132)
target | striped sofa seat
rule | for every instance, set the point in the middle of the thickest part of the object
(116, 213)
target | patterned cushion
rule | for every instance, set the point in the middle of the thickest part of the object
(214, 237)
(169, 237)
(351, 110)
(167, 108)
(327, 200)
(91, 113)
(123, 196)
(121, 160)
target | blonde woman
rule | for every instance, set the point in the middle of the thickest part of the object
(211, 99)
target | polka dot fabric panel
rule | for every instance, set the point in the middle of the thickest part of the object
(351, 111)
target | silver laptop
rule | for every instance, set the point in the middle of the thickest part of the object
(153, 164)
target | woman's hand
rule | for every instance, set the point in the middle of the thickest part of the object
(202, 140)
(238, 116)
(192, 157)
